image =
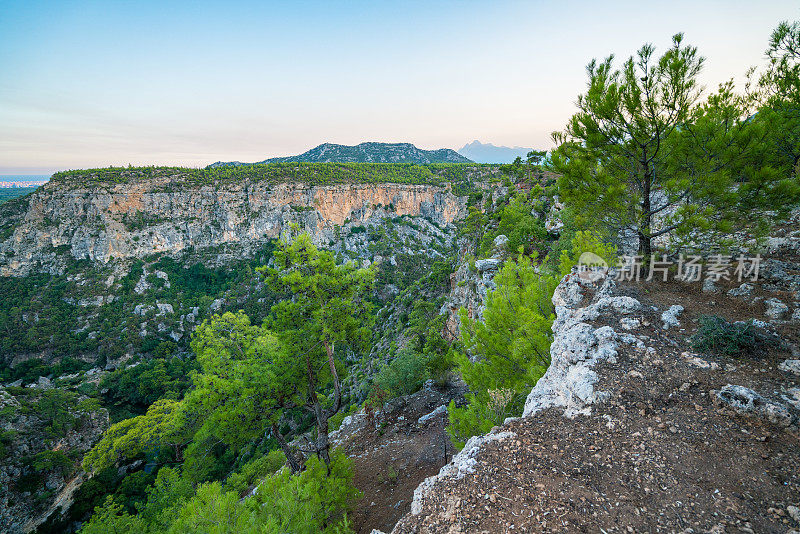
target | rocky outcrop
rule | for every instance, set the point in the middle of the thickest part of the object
(165, 214)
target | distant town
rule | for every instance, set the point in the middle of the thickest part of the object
(34, 183)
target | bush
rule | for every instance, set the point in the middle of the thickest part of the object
(53, 460)
(404, 375)
(715, 334)
(254, 470)
(507, 353)
(311, 502)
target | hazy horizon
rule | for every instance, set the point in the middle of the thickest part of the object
(93, 84)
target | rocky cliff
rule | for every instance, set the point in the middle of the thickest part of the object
(164, 214)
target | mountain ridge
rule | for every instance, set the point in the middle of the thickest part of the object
(367, 152)
(489, 153)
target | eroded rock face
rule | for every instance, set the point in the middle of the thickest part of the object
(577, 347)
(146, 217)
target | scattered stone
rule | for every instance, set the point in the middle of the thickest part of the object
(794, 512)
(790, 366)
(775, 308)
(743, 291)
(670, 317)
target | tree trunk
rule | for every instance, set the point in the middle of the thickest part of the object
(645, 241)
(294, 463)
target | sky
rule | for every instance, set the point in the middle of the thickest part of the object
(91, 84)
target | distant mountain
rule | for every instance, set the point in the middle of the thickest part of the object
(367, 153)
(489, 153)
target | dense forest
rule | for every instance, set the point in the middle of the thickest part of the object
(228, 428)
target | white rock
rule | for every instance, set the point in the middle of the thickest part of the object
(489, 264)
(744, 290)
(670, 317)
(501, 243)
(747, 402)
(790, 366)
(794, 512)
(427, 417)
(630, 324)
(775, 308)
(461, 465)
(142, 309)
(709, 286)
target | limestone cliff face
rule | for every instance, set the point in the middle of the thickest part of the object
(162, 215)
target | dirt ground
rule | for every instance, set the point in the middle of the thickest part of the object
(394, 453)
(661, 455)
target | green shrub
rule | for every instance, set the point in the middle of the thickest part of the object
(404, 375)
(52, 461)
(254, 470)
(715, 334)
(507, 352)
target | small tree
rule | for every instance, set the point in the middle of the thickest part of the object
(641, 156)
(507, 352)
(325, 306)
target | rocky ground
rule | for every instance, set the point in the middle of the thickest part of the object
(632, 430)
(394, 450)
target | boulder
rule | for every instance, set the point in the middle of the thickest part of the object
(775, 308)
(790, 366)
(747, 402)
(670, 317)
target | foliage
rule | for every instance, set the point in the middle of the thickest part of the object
(508, 351)
(734, 339)
(325, 305)
(52, 460)
(404, 374)
(315, 500)
(644, 155)
(112, 518)
(140, 386)
(779, 86)
(459, 175)
(255, 470)
(586, 241)
(162, 426)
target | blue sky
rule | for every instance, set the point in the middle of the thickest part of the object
(97, 83)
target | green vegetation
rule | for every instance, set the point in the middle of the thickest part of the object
(311, 502)
(646, 154)
(507, 353)
(715, 334)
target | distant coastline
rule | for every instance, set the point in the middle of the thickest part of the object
(23, 180)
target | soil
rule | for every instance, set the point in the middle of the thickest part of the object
(661, 455)
(393, 454)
